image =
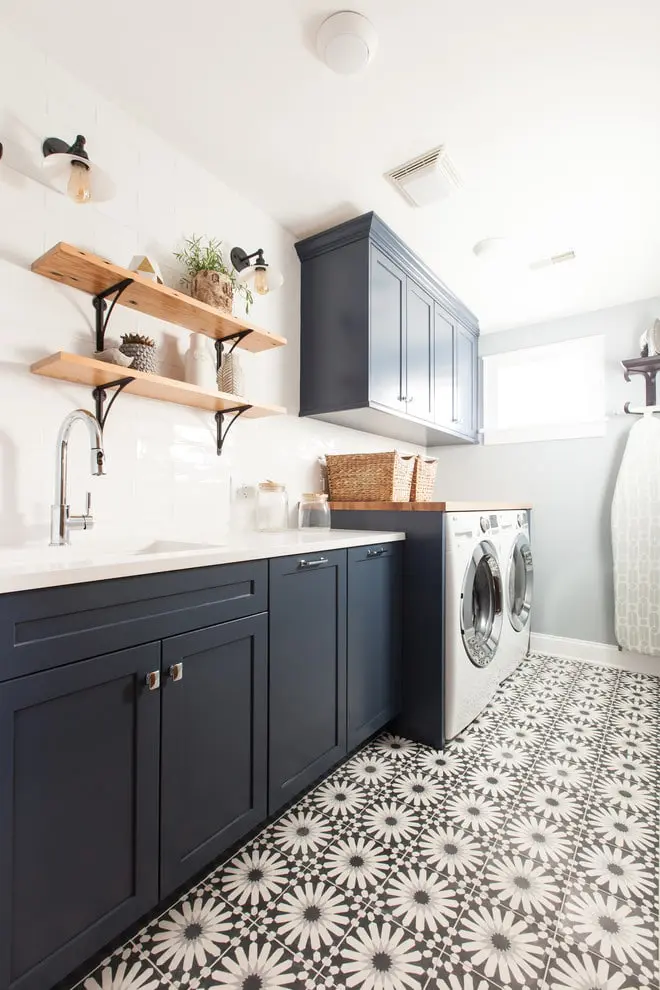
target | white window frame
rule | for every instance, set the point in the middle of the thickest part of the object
(586, 354)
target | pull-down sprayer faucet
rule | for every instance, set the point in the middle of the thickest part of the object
(61, 523)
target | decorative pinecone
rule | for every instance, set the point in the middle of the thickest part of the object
(142, 350)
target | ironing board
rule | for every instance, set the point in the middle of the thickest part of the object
(636, 540)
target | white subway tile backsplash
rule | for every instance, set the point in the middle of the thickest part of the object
(163, 479)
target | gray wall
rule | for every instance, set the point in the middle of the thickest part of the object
(569, 482)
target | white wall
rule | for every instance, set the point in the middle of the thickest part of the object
(569, 482)
(164, 478)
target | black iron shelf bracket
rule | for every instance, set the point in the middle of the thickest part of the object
(99, 394)
(648, 367)
(235, 338)
(220, 420)
(100, 305)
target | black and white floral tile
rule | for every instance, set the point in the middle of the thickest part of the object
(524, 856)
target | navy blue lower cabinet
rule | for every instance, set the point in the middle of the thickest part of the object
(79, 750)
(374, 639)
(307, 687)
(213, 763)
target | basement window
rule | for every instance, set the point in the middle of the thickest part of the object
(551, 392)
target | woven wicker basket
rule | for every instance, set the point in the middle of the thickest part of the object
(423, 482)
(385, 477)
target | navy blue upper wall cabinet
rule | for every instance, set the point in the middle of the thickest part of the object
(385, 346)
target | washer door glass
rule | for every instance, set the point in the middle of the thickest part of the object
(481, 605)
(520, 583)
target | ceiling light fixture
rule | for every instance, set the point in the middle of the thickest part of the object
(555, 259)
(73, 173)
(262, 278)
(346, 42)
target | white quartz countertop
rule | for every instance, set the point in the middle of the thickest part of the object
(47, 567)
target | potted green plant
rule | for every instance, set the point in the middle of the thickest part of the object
(208, 277)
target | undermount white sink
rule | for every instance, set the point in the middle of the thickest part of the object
(81, 552)
(175, 546)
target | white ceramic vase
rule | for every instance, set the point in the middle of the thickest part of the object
(199, 365)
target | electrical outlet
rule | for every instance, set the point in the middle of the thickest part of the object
(244, 492)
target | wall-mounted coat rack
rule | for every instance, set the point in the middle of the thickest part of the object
(649, 367)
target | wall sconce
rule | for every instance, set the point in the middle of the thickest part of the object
(262, 278)
(72, 172)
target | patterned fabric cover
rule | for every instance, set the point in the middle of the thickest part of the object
(636, 541)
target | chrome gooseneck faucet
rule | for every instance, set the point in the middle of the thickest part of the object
(61, 523)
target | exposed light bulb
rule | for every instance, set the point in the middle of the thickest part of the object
(261, 282)
(78, 188)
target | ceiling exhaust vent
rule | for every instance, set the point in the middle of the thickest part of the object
(426, 179)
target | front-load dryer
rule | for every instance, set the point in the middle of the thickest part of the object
(518, 580)
(474, 603)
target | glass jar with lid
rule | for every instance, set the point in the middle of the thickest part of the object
(272, 507)
(313, 511)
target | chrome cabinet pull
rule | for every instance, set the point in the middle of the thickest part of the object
(176, 671)
(376, 553)
(152, 680)
(313, 563)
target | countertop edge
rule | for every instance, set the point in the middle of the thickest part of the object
(451, 506)
(84, 572)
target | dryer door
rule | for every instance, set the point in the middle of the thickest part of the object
(520, 582)
(481, 605)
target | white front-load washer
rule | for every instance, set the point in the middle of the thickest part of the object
(474, 603)
(518, 580)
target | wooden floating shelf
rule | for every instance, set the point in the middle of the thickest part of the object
(82, 270)
(88, 371)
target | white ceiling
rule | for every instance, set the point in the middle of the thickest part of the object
(550, 111)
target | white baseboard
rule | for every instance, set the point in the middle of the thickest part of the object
(600, 653)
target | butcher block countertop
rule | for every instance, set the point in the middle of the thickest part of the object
(429, 506)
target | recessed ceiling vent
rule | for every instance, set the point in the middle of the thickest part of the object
(429, 178)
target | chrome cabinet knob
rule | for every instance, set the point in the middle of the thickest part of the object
(176, 671)
(152, 680)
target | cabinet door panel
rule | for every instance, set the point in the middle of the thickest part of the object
(445, 413)
(307, 671)
(78, 812)
(419, 352)
(374, 639)
(466, 381)
(213, 770)
(387, 322)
